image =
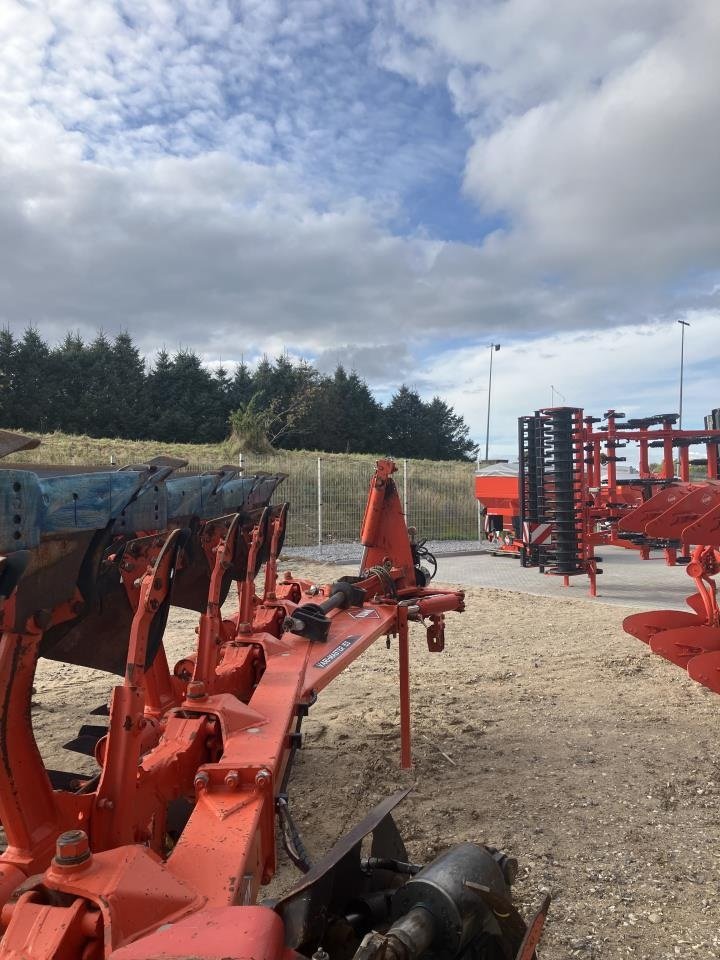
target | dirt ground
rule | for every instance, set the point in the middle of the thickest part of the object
(542, 729)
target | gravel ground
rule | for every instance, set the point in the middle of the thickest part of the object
(543, 729)
(352, 552)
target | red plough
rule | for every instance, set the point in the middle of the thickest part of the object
(689, 513)
(162, 853)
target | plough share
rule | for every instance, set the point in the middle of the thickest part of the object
(689, 513)
(162, 852)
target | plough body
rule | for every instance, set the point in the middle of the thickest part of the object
(163, 852)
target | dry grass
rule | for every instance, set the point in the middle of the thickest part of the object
(440, 498)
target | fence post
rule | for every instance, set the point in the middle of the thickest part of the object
(479, 508)
(319, 501)
(241, 464)
(405, 505)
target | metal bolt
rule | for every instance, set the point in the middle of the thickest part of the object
(321, 954)
(105, 804)
(232, 780)
(201, 780)
(196, 690)
(263, 777)
(72, 848)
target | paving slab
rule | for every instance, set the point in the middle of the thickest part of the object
(626, 579)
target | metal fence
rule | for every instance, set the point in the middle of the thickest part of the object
(327, 496)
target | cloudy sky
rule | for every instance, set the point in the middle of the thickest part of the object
(396, 183)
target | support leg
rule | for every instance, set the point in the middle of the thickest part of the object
(404, 652)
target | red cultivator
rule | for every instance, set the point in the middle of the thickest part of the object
(689, 513)
(567, 508)
(162, 853)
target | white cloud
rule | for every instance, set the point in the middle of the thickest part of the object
(635, 369)
(595, 130)
(231, 176)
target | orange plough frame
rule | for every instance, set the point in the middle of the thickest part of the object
(104, 870)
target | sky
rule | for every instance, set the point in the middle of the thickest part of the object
(394, 184)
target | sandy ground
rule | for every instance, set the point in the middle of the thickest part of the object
(542, 729)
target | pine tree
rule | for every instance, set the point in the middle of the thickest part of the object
(405, 422)
(35, 387)
(448, 436)
(8, 409)
(70, 366)
(101, 417)
(127, 407)
(242, 387)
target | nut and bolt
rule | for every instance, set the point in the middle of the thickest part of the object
(72, 848)
(201, 781)
(196, 690)
(232, 780)
(263, 777)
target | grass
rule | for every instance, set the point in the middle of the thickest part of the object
(440, 499)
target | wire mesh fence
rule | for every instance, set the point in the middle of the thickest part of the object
(327, 496)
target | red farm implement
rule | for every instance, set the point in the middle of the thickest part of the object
(163, 851)
(497, 490)
(689, 513)
(573, 498)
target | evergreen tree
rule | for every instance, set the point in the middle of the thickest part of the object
(70, 366)
(127, 409)
(35, 385)
(8, 410)
(448, 436)
(242, 387)
(157, 394)
(187, 400)
(344, 417)
(406, 424)
(285, 391)
(99, 400)
(104, 389)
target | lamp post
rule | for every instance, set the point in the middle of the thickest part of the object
(683, 324)
(493, 348)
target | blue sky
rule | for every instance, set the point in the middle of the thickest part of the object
(393, 183)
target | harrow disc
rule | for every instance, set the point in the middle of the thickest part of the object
(682, 645)
(645, 625)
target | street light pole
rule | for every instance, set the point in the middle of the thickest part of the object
(683, 324)
(493, 348)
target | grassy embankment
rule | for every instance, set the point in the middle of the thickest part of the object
(439, 494)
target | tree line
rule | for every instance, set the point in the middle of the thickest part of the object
(105, 388)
